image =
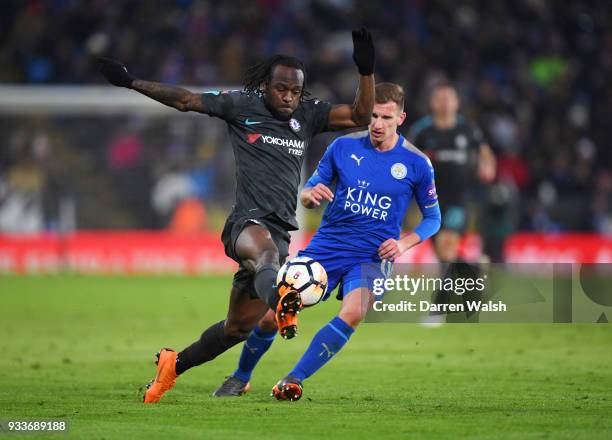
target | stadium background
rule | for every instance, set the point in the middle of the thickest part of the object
(94, 179)
(533, 74)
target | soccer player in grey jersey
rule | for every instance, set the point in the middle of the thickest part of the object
(271, 123)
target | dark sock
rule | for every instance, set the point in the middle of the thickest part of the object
(443, 296)
(211, 344)
(455, 270)
(265, 284)
(469, 271)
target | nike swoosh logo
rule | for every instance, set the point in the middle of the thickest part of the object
(247, 122)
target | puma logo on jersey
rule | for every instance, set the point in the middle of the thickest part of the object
(357, 159)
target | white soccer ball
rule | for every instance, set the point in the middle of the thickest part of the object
(305, 275)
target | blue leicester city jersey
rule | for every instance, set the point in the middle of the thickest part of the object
(373, 191)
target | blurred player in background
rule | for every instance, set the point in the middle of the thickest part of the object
(376, 175)
(460, 156)
(271, 124)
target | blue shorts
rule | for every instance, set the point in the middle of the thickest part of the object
(348, 272)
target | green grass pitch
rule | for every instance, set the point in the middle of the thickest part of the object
(79, 347)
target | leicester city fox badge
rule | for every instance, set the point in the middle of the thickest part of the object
(399, 170)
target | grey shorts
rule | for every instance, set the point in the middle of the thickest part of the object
(243, 278)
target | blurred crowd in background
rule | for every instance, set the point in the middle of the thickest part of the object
(535, 75)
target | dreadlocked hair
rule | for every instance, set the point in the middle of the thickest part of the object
(261, 73)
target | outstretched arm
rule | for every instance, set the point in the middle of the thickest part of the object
(177, 97)
(173, 96)
(359, 114)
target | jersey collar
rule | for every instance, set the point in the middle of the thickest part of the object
(400, 141)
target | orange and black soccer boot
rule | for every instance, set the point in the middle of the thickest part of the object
(287, 310)
(165, 378)
(290, 388)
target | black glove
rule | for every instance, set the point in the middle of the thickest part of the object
(115, 72)
(363, 51)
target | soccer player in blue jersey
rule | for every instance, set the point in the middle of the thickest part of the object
(376, 174)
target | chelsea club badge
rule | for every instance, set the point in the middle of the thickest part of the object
(295, 125)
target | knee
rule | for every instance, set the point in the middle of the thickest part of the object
(265, 257)
(256, 248)
(267, 324)
(351, 317)
(268, 255)
(447, 255)
(238, 328)
(447, 247)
